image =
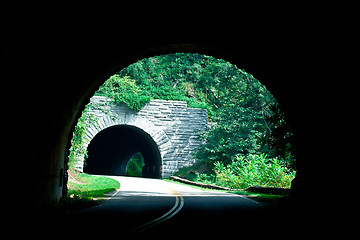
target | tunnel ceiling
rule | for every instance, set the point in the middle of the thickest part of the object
(111, 149)
(284, 55)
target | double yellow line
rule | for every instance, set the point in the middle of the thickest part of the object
(179, 203)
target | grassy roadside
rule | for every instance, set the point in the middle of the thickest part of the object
(84, 191)
(268, 199)
(89, 186)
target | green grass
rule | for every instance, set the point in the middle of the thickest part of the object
(91, 186)
(84, 191)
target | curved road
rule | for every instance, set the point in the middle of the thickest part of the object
(145, 207)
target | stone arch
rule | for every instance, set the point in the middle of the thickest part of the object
(110, 151)
(125, 116)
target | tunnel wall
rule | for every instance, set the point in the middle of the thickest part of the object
(55, 69)
(174, 127)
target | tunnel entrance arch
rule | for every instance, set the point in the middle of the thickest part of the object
(252, 50)
(125, 117)
(173, 126)
(112, 148)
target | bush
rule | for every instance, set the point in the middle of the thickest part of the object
(253, 170)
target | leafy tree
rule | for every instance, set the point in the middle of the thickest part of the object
(280, 140)
(242, 106)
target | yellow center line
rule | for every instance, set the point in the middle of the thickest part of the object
(179, 203)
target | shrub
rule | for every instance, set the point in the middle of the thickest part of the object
(251, 170)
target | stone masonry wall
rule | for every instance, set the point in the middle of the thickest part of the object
(173, 126)
(182, 126)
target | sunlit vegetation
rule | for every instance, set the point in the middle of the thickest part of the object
(88, 186)
(248, 141)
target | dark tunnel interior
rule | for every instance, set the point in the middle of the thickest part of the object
(111, 149)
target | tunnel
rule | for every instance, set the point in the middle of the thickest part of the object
(111, 149)
(54, 70)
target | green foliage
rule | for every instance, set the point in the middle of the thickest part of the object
(244, 118)
(237, 104)
(77, 148)
(253, 170)
(178, 76)
(135, 165)
(241, 120)
(280, 142)
(124, 90)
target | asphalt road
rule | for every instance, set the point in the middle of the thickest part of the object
(152, 208)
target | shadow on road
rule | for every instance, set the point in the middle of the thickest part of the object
(183, 211)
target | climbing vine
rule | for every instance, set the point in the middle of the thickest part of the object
(87, 119)
(77, 148)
